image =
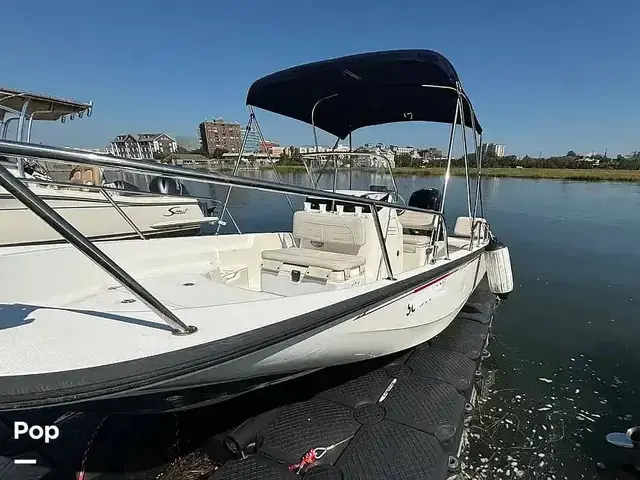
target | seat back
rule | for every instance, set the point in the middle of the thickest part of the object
(351, 234)
(418, 220)
(463, 227)
(345, 233)
(85, 175)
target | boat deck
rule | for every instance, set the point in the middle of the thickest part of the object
(393, 418)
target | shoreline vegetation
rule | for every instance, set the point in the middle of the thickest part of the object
(590, 168)
(591, 174)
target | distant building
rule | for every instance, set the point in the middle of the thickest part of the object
(312, 149)
(429, 154)
(374, 157)
(220, 134)
(400, 150)
(495, 149)
(190, 160)
(276, 151)
(267, 146)
(142, 145)
(257, 159)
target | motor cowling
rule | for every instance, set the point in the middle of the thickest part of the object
(499, 273)
(427, 198)
(167, 186)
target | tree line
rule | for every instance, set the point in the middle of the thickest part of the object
(215, 154)
(569, 161)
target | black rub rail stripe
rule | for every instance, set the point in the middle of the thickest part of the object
(116, 380)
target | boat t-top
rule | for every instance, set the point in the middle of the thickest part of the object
(100, 209)
(162, 324)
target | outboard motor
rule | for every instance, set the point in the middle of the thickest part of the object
(167, 186)
(499, 271)
(427, 198)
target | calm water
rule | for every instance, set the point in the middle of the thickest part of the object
(564, 347)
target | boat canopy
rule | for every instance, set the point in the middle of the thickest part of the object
(344, 94)
(42, 107)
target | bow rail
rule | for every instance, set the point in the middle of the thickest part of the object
(33, 202)
(64, 155)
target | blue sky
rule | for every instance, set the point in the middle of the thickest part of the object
(546, 75)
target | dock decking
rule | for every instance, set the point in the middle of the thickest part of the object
(403, 420)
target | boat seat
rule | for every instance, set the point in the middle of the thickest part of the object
(463, 227)
(415, 241)
(418, 229)
(424, 222)
(296, 271)
(416, 249)
(314, 258)
(85, 175)
(332, 253)
(346, 229)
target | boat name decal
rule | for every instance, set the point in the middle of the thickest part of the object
(176, 211)
(437, 289)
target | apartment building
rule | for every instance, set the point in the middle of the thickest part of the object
(495, 149)
(142, 146)
(221, 135)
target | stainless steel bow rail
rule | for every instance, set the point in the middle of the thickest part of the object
(22, 193)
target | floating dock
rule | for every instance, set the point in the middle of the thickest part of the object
(404, 420)
(400, 417)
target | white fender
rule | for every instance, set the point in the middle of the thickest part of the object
(499, 271)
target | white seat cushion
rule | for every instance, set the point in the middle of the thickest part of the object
(314, 258)
(415, 240)
(417, 220)
(329, 228)
(463, 226)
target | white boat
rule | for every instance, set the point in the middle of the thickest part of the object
(86, 199)
(168, 323)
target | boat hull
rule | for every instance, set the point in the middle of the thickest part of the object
(393, 317)
(400, 324)
(95, 217)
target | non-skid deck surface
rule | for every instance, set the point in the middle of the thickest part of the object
(401, 421)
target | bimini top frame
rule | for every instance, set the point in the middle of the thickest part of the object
(344, 94)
